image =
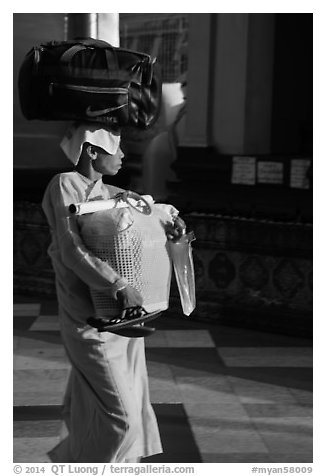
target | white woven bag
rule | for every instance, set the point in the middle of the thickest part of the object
(134, 244)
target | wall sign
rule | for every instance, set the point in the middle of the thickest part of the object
(270, 172)
(299, 169)
(244, 170)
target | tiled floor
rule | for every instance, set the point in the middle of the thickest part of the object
(221, 394)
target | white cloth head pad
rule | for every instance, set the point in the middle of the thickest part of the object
(95, 134)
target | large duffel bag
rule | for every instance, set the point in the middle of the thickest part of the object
(90, 80)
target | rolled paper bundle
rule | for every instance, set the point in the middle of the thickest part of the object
(96, 206)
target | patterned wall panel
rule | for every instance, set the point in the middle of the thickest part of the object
(33, 272)
(253, 266)
(241, 264)
(221, 270)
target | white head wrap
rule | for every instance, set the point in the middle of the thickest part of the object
(95, 134)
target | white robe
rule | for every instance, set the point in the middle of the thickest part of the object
(107, 408)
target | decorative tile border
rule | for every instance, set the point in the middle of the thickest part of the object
(240, 263)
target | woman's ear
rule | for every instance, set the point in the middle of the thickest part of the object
(91, 152)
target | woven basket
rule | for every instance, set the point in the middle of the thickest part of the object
(135, 246)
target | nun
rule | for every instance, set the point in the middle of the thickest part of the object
(107, 413)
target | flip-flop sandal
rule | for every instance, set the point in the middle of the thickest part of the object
(138, 330)
(128, 318)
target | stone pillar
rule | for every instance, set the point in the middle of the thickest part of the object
(108, 28)
(198, 81)
(242, 91)
(229, 92)
(103, 26)
(229, 105)
(81, 24)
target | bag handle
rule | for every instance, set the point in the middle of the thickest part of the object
(68, 55)
(84, 44)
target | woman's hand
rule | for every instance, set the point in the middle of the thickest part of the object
(129, 297)
(175, 230)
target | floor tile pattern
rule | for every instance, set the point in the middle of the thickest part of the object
(221, 394)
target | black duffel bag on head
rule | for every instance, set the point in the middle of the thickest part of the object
(90, 80)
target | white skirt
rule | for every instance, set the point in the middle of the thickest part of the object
(107, 409)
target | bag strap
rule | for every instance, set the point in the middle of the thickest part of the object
(79, 44)
(146, 62)
(111, 59)
(92, 42)
(110, 54)
(68, 55)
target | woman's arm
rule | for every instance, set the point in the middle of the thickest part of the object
(90, 269)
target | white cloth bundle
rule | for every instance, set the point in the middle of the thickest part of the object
(96, 134)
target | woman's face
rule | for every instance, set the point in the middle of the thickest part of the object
(107, 164)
